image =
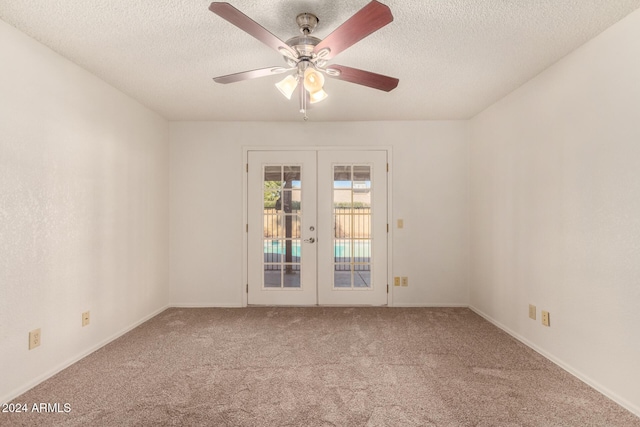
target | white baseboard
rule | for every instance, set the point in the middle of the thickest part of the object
(452, 305)
(409, 305)
(581, 376)
(28, 386)
(205, 306)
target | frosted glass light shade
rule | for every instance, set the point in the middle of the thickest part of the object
(313, 80)
(317, 96)
(287, 85)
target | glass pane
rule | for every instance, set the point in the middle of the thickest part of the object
(289, 201)
(278, 228)
(285, 202)
(290, 250)
(282, 250)
(272, 250)
(342, 199)
(361, 250)
(272, 196)
(296, 198)
(361, 226)
(341, 251)
(342, 177)
(362, 199)
(291, 226)
(270, 224)
(272, 276)
(281, 226)
(272, 186)
(362, 177)
(362, 276)
(273, 174)
(292, 276)
(342, 223)
(292, 176)
(342, 275)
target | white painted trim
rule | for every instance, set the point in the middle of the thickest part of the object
(390, 221)
(64, 365)
(559, 362)
(245, 234)
(317, 148)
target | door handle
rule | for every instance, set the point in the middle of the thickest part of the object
(309, 240)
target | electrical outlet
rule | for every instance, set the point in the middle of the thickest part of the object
(85, 318)
(405, 281)
(396, 281)
(34, 339)
(545, 318)
(532, 311)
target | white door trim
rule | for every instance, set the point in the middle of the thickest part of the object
(245, 190)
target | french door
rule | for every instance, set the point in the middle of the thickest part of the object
(317, 227)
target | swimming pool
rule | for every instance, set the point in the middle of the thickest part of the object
(341, 249)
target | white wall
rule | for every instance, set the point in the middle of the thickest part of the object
(430, 192)
(83, 211)
(555, 209)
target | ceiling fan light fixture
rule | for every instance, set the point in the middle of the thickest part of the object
(313, 80)
(287, 86)
(317, 96)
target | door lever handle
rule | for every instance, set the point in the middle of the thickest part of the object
(309, 240)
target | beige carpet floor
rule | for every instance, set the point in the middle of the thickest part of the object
(318, 367)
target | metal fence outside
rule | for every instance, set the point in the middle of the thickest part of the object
(352, 238)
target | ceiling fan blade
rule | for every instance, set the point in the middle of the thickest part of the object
(253, 74)
(367, 20)
(361, 77)
(242, 21)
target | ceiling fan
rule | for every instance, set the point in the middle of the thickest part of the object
(307, 56)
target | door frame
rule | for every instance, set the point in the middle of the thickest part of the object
(245, 203)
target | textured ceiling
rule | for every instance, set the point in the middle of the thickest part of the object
(453, 57)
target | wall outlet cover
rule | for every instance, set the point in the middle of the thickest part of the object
(34, 339)
(85, 318)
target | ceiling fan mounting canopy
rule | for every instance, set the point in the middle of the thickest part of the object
(307, 22)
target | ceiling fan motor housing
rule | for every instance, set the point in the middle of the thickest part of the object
(304, 45)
